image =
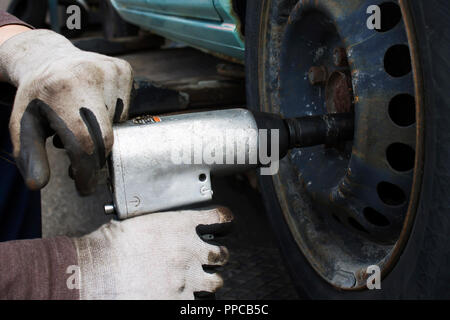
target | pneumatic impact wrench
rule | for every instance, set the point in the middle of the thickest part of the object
(162, 163)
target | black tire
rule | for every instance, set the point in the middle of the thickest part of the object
(31, 12)
(423, 269)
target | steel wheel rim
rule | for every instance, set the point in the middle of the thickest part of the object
(296, 198)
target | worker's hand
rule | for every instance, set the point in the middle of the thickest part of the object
(66, 91)
(158, 256)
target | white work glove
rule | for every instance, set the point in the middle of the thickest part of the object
(66, 91)
(157, 257)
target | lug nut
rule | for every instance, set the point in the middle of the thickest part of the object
(340, 57)
(317, 75)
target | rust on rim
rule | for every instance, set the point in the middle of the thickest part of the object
(340, 57)
(318, 75)
(339, 93)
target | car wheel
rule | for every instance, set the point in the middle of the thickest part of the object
(382, 199)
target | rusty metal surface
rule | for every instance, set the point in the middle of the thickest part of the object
(318, 75)
(339, 93)
(328, 195)
(340, 57)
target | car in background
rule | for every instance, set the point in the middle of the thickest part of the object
(211, 25)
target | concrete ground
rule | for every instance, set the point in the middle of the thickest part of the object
(255, 270)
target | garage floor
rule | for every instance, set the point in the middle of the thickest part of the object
(255, 270)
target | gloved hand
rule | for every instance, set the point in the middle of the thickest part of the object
(158, 256)
(66, 91)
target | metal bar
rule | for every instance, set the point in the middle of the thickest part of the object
(325, 129)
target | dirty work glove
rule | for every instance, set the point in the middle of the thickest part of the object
(158, 256)
(63, 90)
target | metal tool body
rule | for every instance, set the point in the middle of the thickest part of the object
(162, 163)
(146, 176)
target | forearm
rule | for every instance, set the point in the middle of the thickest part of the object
(9, 27)
(37, 269)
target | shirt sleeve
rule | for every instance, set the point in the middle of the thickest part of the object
(42, 269)
(7, 19)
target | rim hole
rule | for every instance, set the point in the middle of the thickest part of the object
(397, 61)
(402, 110)
(202, 177)
(390, 16)
(376, 218)
(390, 194)
(356, 225)
(401, 157)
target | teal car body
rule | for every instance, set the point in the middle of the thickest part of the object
(210, 25)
